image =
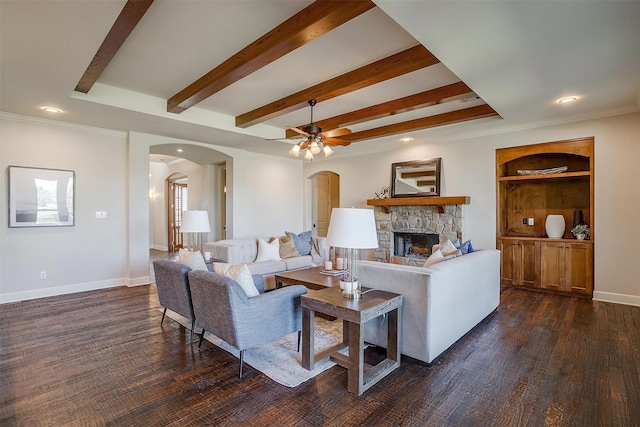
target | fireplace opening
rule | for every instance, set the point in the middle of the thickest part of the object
(414, 245)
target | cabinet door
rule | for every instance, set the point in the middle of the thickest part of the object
(579, 267)
(552, 266)
(508, 262)
(528, 265)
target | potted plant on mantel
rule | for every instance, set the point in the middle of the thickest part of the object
(581, 231)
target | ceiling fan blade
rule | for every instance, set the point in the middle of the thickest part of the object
(301, 132)
(336, 132)
(336, 141)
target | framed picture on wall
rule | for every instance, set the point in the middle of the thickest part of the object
(41, 197)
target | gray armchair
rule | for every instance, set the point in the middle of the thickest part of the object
(222, 307)
(174, 292)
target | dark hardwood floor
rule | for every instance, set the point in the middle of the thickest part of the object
(101, 358)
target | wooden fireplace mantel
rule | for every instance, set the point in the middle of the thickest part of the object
(414, 201)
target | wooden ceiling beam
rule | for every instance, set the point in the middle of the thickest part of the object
(317, 19)
(397, 106)
(130, 15)
(409, 60)
(457, 116)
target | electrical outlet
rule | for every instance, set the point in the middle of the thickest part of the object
(524, 221)
(43, 275)
(531, 221)
(101, 214)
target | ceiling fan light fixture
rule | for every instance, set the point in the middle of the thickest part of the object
(314, 147)
(295, 150)
(327, 151)
(308, 155)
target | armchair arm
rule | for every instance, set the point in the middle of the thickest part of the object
(269, 316)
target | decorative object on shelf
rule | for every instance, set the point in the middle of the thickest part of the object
(352, 229)
(578, 217)
(581, 232)
(384, 193)
(194, 223)
(542, 171)
(416, 178)
(554, 225)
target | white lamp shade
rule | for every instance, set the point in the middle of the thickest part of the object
(352, 228)
(195, 222)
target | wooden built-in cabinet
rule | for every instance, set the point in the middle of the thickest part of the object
(526, 189)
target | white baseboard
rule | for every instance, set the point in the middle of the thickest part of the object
(139, 281)
(616, 298)
(160, 248)
(61, 290)
(71, 289)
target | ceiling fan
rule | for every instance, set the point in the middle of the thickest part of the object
(315, 140)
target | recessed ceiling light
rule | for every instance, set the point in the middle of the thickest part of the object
(51, 109)
(179, 150)
(406, 139)
(567, 99)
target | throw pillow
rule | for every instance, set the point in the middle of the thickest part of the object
(241, 274)
(466, 247)
(449, 249)
(438, 256)
(434, 258)
(287, 247)
(193, 260)
(302, 241)
(268, 251)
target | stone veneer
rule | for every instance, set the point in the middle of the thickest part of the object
(446, 221)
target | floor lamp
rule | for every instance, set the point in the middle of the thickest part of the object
(352, 229)
(193, 224)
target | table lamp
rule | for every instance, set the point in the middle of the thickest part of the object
(194, 223)
(352, 229)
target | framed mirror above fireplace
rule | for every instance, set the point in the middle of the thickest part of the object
(416, 178)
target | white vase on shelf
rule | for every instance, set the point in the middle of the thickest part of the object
(554, 225)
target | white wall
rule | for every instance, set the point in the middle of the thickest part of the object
(112, 175)
(267, 196)
(93, 253)
(468, 169)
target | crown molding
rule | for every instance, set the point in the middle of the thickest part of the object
(84, 128)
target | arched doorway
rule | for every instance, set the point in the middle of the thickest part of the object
(325, 195)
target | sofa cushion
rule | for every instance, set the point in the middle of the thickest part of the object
(268, 251)
(193, 260)
(241, 274)
(267, 267)
(287, 247)
(302, 241)
(298, 262)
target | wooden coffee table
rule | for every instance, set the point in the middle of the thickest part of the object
(355, 313)
(309, 277)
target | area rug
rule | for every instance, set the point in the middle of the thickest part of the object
(279, 359)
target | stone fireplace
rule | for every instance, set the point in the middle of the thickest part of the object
(408, 227)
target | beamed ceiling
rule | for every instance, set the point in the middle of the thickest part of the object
(310, 23)
(239, 73)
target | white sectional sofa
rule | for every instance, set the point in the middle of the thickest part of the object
(245, 251)
(441, 303)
